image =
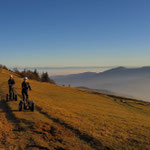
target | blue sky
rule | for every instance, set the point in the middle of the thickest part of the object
(74, 33)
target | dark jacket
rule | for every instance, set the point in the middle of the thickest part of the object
(11, 82)
(25, 86)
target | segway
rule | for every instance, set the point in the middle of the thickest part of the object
(26, 105)
(11, 96)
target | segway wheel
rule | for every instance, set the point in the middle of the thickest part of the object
(7, 97)
(16, 98)
(20, 106)
(32, 106)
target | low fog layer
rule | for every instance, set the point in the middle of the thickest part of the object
(133, 82)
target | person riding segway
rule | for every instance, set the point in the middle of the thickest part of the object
(25, 87)
(26, 103)
(11, 95)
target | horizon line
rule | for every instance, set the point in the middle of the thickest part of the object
(74, 67)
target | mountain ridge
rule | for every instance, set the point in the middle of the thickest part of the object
(118, 80)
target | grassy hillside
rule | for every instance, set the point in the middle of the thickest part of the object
(72, 119)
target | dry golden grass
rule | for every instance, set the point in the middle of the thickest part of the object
(69, 118)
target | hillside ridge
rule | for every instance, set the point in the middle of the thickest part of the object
(70, 118)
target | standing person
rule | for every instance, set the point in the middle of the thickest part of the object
(25, 87)
(11, 83)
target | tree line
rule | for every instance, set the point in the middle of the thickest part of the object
(3, 67)
(34, 75)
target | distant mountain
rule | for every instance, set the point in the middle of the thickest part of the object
(127, 81)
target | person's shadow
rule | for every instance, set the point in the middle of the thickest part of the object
(10, 116)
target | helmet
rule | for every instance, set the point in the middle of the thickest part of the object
(25, 78)
(11, 76)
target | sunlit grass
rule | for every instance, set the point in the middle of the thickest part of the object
(115, 124)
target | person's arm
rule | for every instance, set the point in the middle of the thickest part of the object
(22, 85)
(29, 86)
(9, 82)
(14, 82)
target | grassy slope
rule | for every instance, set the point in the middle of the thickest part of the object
(69, 118)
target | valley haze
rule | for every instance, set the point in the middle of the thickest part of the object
(131, 82)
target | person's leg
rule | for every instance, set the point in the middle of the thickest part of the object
(27, 102)
(27, 96)
(23, 95)
(10, 91)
